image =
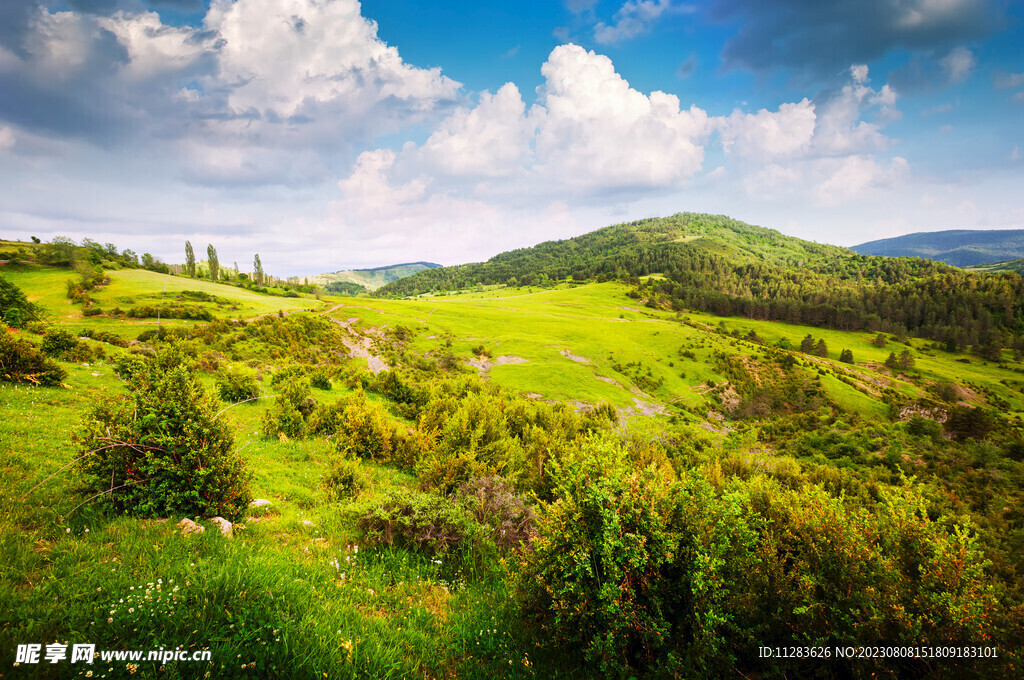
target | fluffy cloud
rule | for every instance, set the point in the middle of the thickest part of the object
(588, 133)
(767, 135)
(262, 86)
(6, 139)
(633, 19)
(596, 132)
(816, 38)
(275, 56)
(958, 64)
(828, 145)
(490, 140)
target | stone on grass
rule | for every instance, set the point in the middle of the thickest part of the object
(190, 527)
(225, 526)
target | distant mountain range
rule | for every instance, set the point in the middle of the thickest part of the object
(958, 247)
(354, 281)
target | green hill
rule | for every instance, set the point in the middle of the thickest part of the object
(721, 266)
(368, 279)
(1016, 266)
(958, 247)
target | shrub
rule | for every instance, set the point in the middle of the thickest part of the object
(288, 414)
(344, 478)
(631, 568)
(58, 343)
(20, 361)
(320, 380)
(236, 386)
(360, 427)
(159, 452)
(494, 504)
(919, 426)
(966, 422)
(15, 308)
(428, 523)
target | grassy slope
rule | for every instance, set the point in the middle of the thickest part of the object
(598, 322)
(46, 286)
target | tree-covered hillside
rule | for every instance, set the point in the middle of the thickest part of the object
(958, 247)
(721, 266)
(348, 280)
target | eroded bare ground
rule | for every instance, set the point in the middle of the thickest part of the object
(483, 364)
(358, 345)
(575, 357)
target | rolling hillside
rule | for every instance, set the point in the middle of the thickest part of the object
(439, 475)
(958, 247)
(372, 279)
(721, 266)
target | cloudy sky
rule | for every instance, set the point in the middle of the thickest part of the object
(327, 134)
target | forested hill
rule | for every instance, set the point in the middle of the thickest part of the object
(723, 266)
(357, 280)
(959, 247)
(620, 251)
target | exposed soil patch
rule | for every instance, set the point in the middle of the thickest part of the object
(575, 357)
(483, 364)
(360, 345)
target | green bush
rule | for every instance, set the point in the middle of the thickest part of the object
(58, 343)
(344, 478)
(20, 361)
(320, 380)
(159, 452)
(428, 523)
(236, 386)
(496, 505)
(288, 414)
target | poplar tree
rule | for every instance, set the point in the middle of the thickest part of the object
(211, 256)
(257, 270)
(190, 259)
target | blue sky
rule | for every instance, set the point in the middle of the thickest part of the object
(326, 134)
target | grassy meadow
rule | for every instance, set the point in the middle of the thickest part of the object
(303, 590)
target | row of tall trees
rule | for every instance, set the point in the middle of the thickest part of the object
(213, 263)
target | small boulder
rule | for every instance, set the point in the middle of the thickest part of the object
(225, 526)
(259, 503)
(189, 527)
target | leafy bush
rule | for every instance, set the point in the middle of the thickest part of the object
(344, 478)
(426, 522)
(20, 361)
(288, 414)
(236, 386)
(159, 452)
(58, 343)
(15, 308)
(359, 426)
(320, 380)
(494, 504)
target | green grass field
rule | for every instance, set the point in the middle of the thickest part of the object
(129, 287)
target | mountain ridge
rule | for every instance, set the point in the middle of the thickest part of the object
(958, 247)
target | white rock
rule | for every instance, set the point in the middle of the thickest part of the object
(225, 526)
(259, 503)
(190, 527)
